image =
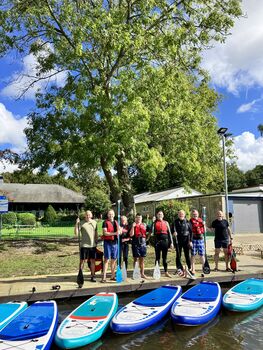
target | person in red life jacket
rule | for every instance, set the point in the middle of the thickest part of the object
(139, 250)
(198, 246)
(163, 240)
(110, 229)
(125, 240)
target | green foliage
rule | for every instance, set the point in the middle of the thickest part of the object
(254, 177)
(171, 208)
(97, 201)
(134, 96)
(50, 215)
(9, 218)
(235, 177)
(26, 219)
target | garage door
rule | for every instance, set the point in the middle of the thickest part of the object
(248, 216)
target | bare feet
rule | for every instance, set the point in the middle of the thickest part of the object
(168, 275)
(143, 276)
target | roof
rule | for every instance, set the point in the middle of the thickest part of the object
(249, 189)
(40, 193)
(173, 193)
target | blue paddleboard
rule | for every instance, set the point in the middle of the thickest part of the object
(10, 310)
(245, 296)
(199, 305)
(145, 311)
(87, 322)
(33, 329)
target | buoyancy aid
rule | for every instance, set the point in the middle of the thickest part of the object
(111, 227)
(140, 231)
(125, 230)
(161, 227)
(197, 226)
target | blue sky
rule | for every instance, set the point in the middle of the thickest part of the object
(236, 69)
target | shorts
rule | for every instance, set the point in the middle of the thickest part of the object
(87, 253)
(198, 247)
(221, 244)
(139, 250)
(110, 250)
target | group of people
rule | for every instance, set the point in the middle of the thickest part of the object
(185, 235)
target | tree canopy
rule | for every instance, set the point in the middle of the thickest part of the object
(134, 98)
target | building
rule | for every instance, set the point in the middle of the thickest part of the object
(37, 197)
(147, 202)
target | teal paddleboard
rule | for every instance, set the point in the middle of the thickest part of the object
(245, 296)
(87, 322)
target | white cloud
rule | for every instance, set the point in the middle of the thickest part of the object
(12, 130)
(249, 107)
(238, 63)
(20, 81)
(249, 151)
(6, 166)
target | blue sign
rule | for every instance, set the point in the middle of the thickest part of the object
(3, 204)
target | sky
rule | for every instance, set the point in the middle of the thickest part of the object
(235, 67)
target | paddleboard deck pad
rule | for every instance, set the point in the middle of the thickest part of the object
(145, 310)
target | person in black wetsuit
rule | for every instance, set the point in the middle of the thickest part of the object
(181, 230)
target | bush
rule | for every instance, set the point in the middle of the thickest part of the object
(26, 219)
(9, 218)
(171, 208)
(50, 215)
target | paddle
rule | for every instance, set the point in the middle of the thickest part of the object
(233, 260)
(80, 277)
(119, 273)
(206, 267)
(179, 265)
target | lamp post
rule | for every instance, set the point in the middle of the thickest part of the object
(222, 133)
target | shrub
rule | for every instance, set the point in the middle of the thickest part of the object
(26, 219)
(50, 215)
(171, 208)
(9, 218)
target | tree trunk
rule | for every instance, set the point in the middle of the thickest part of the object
(125, 185)
(114, 187)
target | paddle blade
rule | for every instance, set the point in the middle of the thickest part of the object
(80, 278)
(118, 275)
(136, 272)
(206, 267)
(233, 262)
(124, 272)
(156, 272)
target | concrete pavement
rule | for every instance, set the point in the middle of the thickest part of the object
(32, 288)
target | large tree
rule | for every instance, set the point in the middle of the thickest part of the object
(134, 96)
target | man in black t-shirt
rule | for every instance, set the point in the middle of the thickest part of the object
(223, 237)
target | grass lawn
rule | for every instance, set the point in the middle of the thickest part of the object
(66, 230)
(29, 258)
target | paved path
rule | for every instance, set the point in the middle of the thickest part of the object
(34, 288)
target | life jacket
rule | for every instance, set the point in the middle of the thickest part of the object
(161, 227)
(140, 231)
(197, 226)
(110, 228)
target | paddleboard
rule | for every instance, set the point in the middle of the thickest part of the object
(87, 322)
(245, 296)
(33, 329)
(199, 305)
(145, 310)
(10, 310)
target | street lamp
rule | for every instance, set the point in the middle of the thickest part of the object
(222, 133)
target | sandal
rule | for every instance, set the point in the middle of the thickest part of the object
(113, 279)
(103, 281)
(228, 270)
